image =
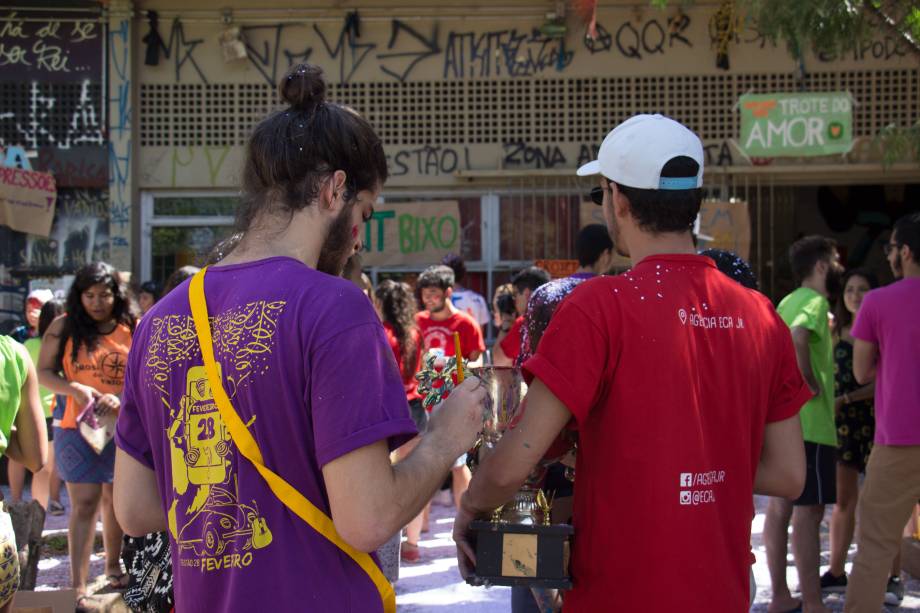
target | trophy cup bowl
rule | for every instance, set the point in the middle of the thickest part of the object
(519, 544)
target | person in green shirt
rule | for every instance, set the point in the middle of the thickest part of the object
(27, 443)
(46, 484)
(816, 264)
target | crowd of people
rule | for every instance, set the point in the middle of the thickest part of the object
(268, 409)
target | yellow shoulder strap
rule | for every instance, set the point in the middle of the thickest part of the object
(247, 445)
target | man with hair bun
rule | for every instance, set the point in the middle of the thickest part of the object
(313, 395)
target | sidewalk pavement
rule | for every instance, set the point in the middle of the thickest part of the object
(434, 585)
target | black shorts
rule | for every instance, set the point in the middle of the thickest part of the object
(820, 475)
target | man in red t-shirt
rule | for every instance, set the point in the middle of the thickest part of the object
(437, 324)
(685, 389)
(441, 318)
(508, 344)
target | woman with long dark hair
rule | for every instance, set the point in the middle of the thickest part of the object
(855, 417)
(396, 304)
(83, 357)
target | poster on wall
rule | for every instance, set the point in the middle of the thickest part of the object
(796, 125)
(411, 233)
(728, 223)
(27, 200)
(79, 234)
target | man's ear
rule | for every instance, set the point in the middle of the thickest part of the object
(620, 202)
(332, 196)
(448, 293)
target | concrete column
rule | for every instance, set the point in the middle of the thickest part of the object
(121, 184)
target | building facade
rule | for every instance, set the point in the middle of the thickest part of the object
(487, 105)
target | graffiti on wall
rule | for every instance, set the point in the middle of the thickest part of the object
(52, 115)
(33, 45)
(271, 49)
(637, 40)
(50, 73)
(401, 47)
(120, 118)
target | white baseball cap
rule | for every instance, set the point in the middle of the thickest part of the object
(635, 151)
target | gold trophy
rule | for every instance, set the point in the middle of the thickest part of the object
(519, 544)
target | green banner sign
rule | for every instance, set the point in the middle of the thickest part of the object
(796, 125)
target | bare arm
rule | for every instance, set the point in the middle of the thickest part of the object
(781, 471)
(498, 354)
(138, 507)
(503, 471)
(800, 338)
(28, 444)
(866, 392)
(48, 373)
(371, 500)
(499, 357)
(865, 360)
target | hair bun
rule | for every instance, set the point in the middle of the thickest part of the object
(303, 87)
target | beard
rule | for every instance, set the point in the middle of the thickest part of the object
(833, 283)
(440, 307)
(339, 244)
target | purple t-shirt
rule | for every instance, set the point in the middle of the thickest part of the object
(888, 318)
(306, 363)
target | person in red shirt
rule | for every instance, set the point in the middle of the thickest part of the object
(441, 318)
(437, 324)
(396, 306)
(686, 393)
(508, 344)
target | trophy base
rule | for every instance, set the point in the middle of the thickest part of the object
(523, 555)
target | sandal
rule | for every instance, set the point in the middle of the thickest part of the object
(55, 508)
(117, 582)
(86, 604)
(409, 553)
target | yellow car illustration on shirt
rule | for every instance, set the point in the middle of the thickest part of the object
(224, 520)
(206, 439)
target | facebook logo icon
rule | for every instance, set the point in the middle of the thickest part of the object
(686, 479)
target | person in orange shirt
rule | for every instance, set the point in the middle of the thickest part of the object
(83, 357)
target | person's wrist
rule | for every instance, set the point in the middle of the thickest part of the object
(443, 444)
(467, 505)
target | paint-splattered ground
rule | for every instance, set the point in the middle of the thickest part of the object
(434, 584)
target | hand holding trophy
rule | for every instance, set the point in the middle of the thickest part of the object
(518, 544)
